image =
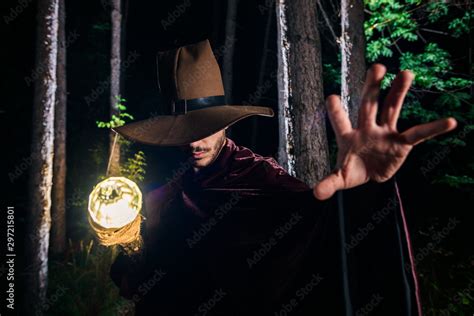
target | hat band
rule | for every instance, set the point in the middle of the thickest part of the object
(184, 106)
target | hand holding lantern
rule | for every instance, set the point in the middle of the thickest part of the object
(114, 212)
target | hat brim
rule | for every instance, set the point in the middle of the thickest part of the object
(182, 129)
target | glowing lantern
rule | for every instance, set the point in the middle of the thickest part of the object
(115, 202)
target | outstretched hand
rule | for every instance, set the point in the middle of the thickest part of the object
(374, 150)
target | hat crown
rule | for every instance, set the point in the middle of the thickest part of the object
(189, 72)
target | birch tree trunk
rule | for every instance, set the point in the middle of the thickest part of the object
(41, 171)
(352, 56)
(58, 210)
(303, 148)
(352, 81)
(115, 60)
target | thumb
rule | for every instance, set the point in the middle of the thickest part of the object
(328, 186)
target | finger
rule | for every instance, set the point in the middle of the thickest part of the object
(370, 94)
(328, 186)
(396, 96)
(420, 133)
(338, 117)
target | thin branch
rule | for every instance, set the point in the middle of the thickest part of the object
(327, 21)
(433, 31)
(421, 36)
(398, 48)
(336, 11)
(394, 43)
(390, 20)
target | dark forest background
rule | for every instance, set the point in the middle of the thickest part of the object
(436, 182)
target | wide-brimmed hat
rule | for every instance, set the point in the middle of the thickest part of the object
(190, 84)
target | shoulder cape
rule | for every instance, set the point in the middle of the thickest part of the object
(242, 237)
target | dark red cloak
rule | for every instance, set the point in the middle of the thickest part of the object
(242, 237)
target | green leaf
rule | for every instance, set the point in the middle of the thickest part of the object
(461, 25)
(455, 181)
(436, 9)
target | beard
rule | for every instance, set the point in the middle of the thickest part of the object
(216, 148)
(210, 153)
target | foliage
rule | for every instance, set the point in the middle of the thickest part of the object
(80, 284)
(409, 34)
(455, 181)
(102, 27)
(461, 25)
(117, 120)
(450, 293)
(332, 74)
(134, 168)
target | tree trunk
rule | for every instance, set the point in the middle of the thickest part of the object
(230, 34)
(352, 81)
(303, 148)
(115, 60)
(261, 75)
(58, 209)
(352, 56)
(41, 171)
(228, 58)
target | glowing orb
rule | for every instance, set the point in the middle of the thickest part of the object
(115, 202)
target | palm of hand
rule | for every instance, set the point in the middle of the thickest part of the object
(371, 155)
(374, 150)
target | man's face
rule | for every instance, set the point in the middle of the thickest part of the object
(204, 151)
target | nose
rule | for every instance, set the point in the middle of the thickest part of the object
(195, 144)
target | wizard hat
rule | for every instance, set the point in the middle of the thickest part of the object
(190, 82)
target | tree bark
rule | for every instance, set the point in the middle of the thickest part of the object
(353, 66)
(303, 148)
(41, 171)
(261, 74)
(58, 210)
(115, 72)
(230, 34)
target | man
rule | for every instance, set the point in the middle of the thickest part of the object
(234, 234)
